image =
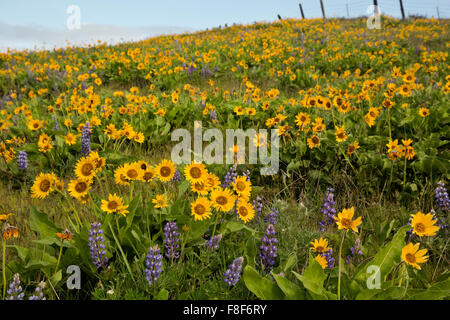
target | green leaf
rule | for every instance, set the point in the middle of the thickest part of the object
(162, 295)
(183, 187)
(22, 252)
(438, 291)
(313, 279)
(290, 289)
(39, 223)
(387, 258)
(290, 262)
(263, 288)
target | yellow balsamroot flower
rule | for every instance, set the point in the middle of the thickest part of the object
(65, 235)
(3, 217)
(212, 181)
(322, 261)
(344, 220)
(132, 171)
(413, 256)
(352, 148)
(201, 187)
(320, 245)
(245, 210)
(34, 124)
(239, 111)
(85, 169)
(139, 137)
(195, 172)
(302, 120)
(165, 170)
(148, 174)
(424, 224)
(424, 112)
(45, 143)
(394, 150)
(160, 201)
(242, 186)
(201, 209)
(318, 125)
(114, 204)
(70, 139)
(250, 111)
(222, 199)
(408, 149)
(340, 134)
(10, 231)
(313, 142)
(79, 187)
(120, 177)
(98, 161)
(43, 185)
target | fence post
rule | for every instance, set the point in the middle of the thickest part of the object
(437, 10)
(402, 10)
(301, 11)
(323, 10)
(375, 3)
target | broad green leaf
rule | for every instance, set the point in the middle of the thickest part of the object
(162, 295)
(437, 291)
(290, 262)
(313, 279)
(290, 289)
(22, 252)
(39, 223)
(387, 258)
(263, 288)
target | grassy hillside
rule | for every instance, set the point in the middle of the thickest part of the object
(85, 137)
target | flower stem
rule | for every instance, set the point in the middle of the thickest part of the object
(121, 251)
(4, 268)
(59, 256)
(339, 266)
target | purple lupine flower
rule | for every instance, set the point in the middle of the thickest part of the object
(328, 210)
(230, 176)
(246, 174)
(213, 243)
(38, 292)
(86, 140)
(153, 262)
(272, 217)
(190, 70)
(329, 256)
(171, 240)
(441, 196)
(176, 176)
(22, 160)
(441, 222)
(213, 116)
(356, 252)
(268, 249)
(56, 126)
(97, 246)
(15, 289)
(258, 206)
(233, 274)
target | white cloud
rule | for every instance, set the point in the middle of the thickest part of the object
(36, 36)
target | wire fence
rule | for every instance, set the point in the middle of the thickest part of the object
(358, 8)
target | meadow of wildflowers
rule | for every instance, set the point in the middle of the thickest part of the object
(357, 210)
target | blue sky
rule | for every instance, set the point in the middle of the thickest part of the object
(26, 23)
